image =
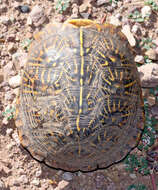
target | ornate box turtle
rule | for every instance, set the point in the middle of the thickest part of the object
(80, 105)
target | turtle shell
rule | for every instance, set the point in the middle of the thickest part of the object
(80, 105)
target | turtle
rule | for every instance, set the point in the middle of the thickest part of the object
(80, 105)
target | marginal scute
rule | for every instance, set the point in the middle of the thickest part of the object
(80, 104)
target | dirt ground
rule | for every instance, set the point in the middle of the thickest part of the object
(19, 21)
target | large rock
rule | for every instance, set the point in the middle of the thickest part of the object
(149, 75)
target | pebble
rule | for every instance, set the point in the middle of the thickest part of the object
(24, 9)
(38, 173)
(3, 8)
(146, 11)
(9, 96)
(156, 50)
(12, 48)
(139, 59)
(11, 37)
(129, 35)
(5, 121)
(11, 145)
(85, 15)
(149, 75)
(155, 41)
(75, 11)
(35, 182)
(101, 2)
(67, 176)
(61, 185)
(133, 176)
(115, 21)
(4, 20)
(154, 111)
(19, 60)
(151, 53)
(84, 7)
(9, 131)
(15, 81)
(151, 100)
(1, 76)
(16, 138)
(23, 179)
(2, 185)
(136, 29)
(37, 16)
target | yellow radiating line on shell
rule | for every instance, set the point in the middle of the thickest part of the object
(112, 76)
(27, 75)
(109, 105)
(106, 44)
(35, 64)
(42, 76)
(30, 91)
(107, 81)
(100, 53)
(81, 52)
(130, 84)
(106, 63)
(77, 123)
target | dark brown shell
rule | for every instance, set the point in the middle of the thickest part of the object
(80, 104)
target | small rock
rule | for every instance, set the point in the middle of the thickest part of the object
(84, 7)
(139, 59)
(19, 60)
(146, 11)
(9, 96)
(115, 21)
(75, 11)
(1, 76)
(136, 29)
(118, 16)
(155, 41)
(9, 131)
(35, 182)
(38, 173)
(129, 35)
(29, 21)
(61, 185)
(156, 50)
(133, 176)
(24, 9)
(101, 2)
(149, 75)
(38, 16)
(5, 121)
(99, 180)
(23, 179)
(11, 145)
(3, 8)
(7, 69)
(4, 20)
(154, 111)
(151, 100)
(12, 48)
(15, 81)
(11, 37)
(114, 5)
(16, 138)
(151, 53)
(85, 15)
(2, 185)
(67, 176)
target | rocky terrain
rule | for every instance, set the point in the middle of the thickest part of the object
(19, 21)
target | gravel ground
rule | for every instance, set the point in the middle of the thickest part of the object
(19, 21)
